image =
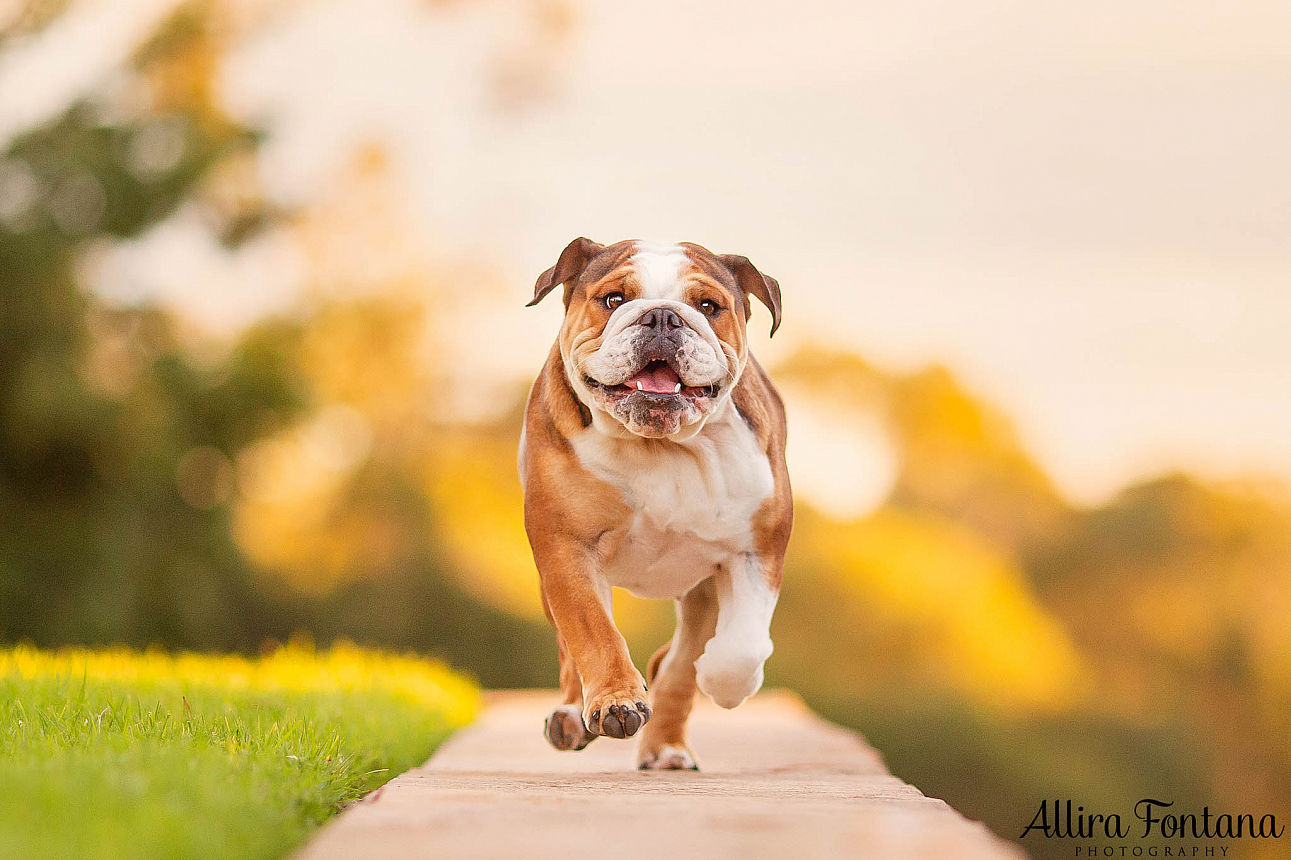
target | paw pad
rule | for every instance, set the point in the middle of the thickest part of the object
(619, 720)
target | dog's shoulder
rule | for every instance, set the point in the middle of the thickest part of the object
(759, 404)
(560, 494)
(553, 413)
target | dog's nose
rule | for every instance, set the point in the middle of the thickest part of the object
(660, 320)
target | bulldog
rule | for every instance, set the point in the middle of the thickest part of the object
(652, 458)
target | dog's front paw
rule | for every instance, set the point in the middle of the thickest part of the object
(616, 713)
(565, 730)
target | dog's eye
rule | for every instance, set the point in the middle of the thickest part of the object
(709, 307)
(613, 300)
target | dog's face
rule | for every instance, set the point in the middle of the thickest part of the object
(654, 336)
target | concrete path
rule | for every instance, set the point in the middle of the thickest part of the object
(777, 782)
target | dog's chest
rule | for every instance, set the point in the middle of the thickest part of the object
(692, 503)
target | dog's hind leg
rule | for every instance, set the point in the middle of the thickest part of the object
(564, 728)
(652, 668)
(672, 682)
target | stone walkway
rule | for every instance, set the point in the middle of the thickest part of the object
(777, 782)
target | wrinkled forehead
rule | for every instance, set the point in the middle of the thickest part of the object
(658, 271)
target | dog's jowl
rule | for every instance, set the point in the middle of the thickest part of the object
(652, 459)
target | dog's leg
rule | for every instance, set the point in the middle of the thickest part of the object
(652, 666)
(730, 669)
(564, 728)
(578, 598)
(672, 682)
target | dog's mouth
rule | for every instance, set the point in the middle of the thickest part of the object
(657, 379)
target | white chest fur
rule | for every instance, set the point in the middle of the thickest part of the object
(692, 502)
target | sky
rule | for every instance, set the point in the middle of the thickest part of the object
(1083, 209)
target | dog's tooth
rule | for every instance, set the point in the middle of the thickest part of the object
(640, 387)
(677, 390)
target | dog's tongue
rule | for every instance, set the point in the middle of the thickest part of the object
(655, 378)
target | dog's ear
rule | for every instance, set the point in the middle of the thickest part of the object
(754, 283)
(573, 260)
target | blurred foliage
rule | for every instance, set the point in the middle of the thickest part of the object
(19, 20)
(98, 405)
(122, 446)
(1000, 645)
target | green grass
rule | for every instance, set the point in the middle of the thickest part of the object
(127, 755)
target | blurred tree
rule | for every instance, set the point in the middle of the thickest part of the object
(959, 458)
(115, 446)
(1180, 593)
(23, 19)
(123, 450)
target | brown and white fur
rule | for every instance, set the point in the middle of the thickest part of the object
(652, 459)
